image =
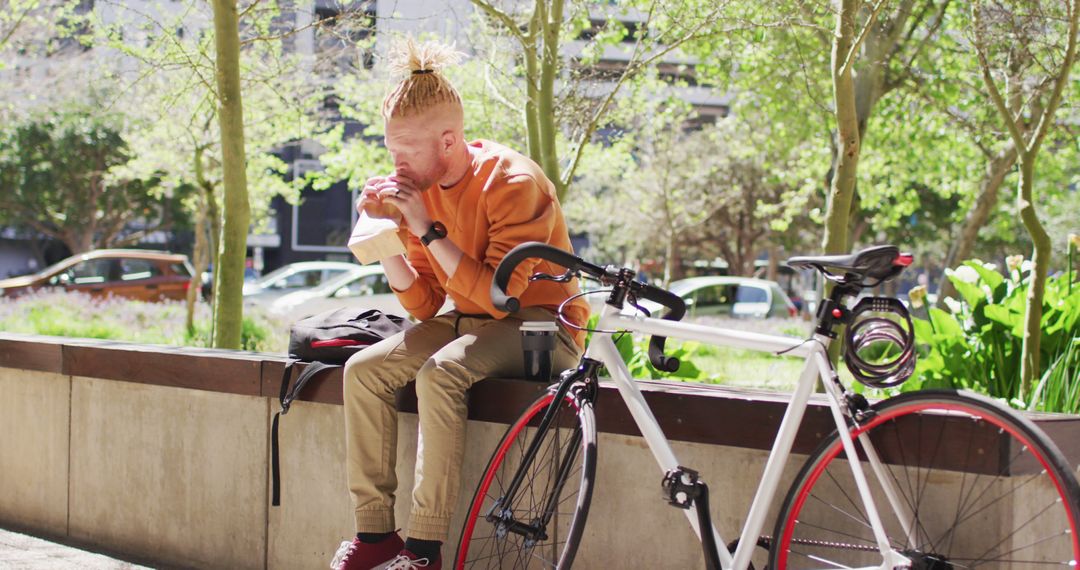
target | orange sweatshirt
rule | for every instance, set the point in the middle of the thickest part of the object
(504, 200)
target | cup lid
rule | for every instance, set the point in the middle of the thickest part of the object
(539, 326)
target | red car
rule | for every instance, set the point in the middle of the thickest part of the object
(138, 274)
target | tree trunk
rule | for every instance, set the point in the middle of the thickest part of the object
(669, 260)
(847, 161)
(213, 214)
(200, 259)
(772, 271)
(81, 242)
(203, 248)
(229, 282)
(994, 176)
(551, 22)
(1040, 265)
(532, 89)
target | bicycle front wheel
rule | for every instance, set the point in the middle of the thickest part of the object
(972, 484)
(540, 526)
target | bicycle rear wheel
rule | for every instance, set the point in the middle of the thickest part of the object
(541, 526)
(995, 494)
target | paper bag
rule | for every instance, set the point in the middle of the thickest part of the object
(373, 239)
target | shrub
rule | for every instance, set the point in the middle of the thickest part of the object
(978, 345)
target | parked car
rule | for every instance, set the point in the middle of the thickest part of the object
(292, 278)
(250, 276)
(139, 274)
(722, 296)
(364, 286)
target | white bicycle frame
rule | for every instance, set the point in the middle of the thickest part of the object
(817, 367)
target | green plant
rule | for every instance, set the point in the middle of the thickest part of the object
(635, 353)
(977, 346)
(57, 313)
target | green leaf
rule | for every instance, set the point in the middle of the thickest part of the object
(1004, 316)
(945, 324)
(989, 276)
(924, 331)
(973, 295)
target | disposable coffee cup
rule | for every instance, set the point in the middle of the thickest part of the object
(537, 346)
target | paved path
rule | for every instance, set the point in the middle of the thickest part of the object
(22, 552)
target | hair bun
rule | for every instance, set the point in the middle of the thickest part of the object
(419, 58)
(422, 84)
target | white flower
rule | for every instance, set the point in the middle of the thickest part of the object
(964, 273)
(953, 305)
(917, 295)
(1013, 262)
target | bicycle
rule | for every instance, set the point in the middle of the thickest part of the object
(861, 500)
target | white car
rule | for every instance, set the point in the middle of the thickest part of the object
(362, 287)
(294, 277)
(724, 296)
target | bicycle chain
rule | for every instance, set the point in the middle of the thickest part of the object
(828, 544)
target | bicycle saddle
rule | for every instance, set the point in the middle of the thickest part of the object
(879, 262)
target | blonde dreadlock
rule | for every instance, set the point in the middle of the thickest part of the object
(424, 85)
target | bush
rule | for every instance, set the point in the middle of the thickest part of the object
(978, 345)
(65, 314)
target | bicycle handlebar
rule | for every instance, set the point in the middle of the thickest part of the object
(605, 275)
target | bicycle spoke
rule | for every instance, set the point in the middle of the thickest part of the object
(960, 518)
(533, 527)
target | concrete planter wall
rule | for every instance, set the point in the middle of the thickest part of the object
(163, 454)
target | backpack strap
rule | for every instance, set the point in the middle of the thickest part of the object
(286, 398)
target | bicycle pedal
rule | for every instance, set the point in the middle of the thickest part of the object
(680, 487)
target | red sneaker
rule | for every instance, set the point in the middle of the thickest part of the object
(358, 555)
(408, 561)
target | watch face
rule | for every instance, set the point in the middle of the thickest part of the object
(436, 231)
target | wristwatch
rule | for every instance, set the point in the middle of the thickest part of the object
(436, 231)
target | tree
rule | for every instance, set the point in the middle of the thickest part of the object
(538, 35)
(691, 191)
(172, 99)
(27, 22)
(228, 305)
(1038, 29)
(15, 15)
(58, 178)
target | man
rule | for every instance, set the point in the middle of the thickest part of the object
(463, 206)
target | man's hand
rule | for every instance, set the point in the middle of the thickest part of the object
(402, 193)
(372, 203)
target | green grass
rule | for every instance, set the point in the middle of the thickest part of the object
(748, 369)
(732, 366)
(78, 315)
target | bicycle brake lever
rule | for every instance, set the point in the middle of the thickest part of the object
(564, 278)
(633, 303)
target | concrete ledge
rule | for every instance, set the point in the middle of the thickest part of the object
(162, 452)
(35, 426)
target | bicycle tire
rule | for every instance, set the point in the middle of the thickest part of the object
(486, 544)
(1003, 496)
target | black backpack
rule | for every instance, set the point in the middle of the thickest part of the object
(326, 341)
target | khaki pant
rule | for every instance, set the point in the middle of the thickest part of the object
(446, 355)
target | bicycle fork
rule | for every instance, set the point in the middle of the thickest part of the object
(501, 513)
